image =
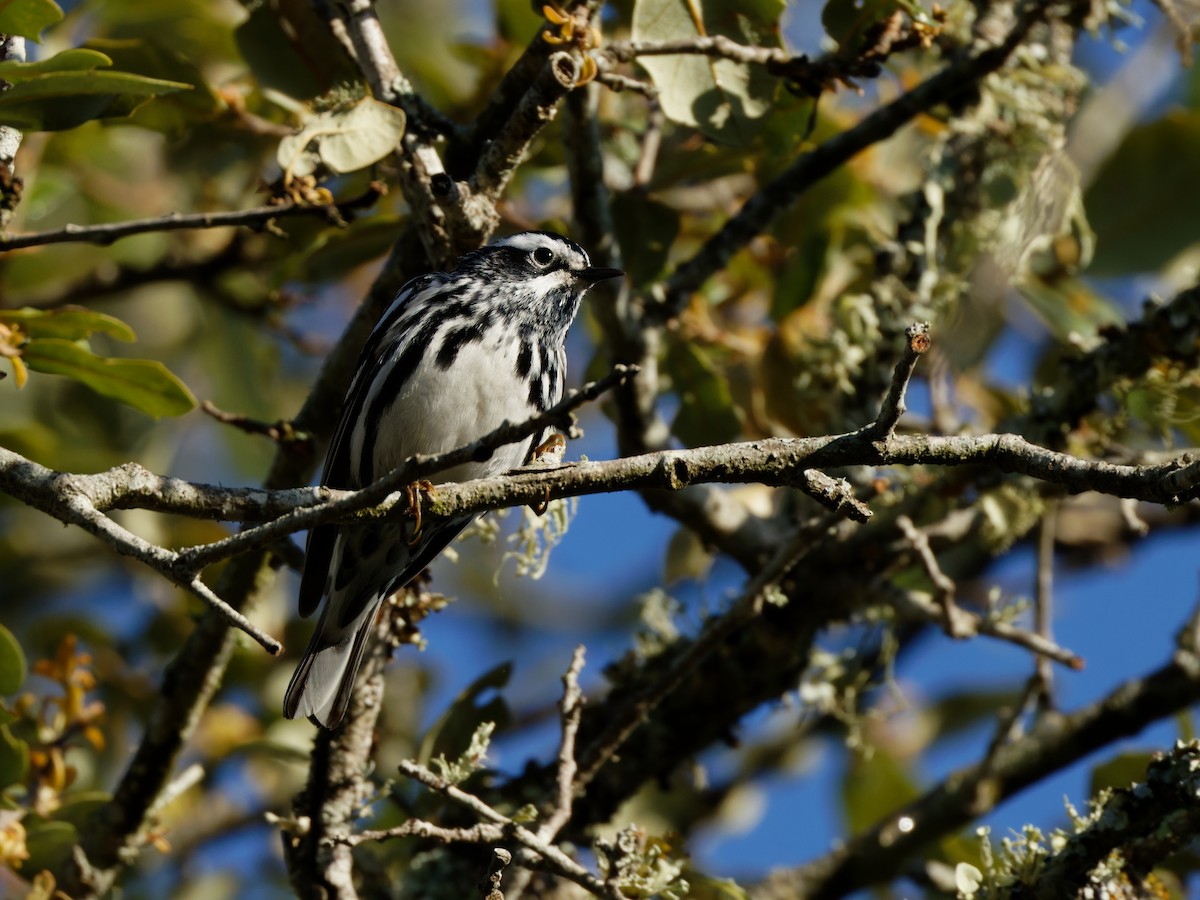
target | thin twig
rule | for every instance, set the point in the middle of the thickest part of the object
(957, 624)
(570, 712)
(1056, 741)
(924, 606)
(555, 859)
(255, 218)
(489, 885)
(643, 172)
(916, 343)
(280, 431)
(1043, 601)
(508, 149)
(358, 28)
(835, 494)
(45, 490)
(618, 82)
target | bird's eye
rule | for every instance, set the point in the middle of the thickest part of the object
(543, 256)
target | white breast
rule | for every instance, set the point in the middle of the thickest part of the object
(440, 410)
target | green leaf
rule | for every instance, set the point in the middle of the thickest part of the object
(144, 384)
(77, 806)
(71, 323)
(1142, 204)
(14, 758)
(724, 99)
(847, 21)
(49, 843)
(1121, 771)
(174, 112)
(28, 18)
(59, 100)
(342, 249)
(873, 788)
(706, 411)
(344, 139)
(687, 557)
(75, 60)
(12, 663)
(518, 21)
(1070, 308)
(645, 230)
(454, 728)
(290, 49)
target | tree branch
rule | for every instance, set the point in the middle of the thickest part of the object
(507, 150)
(776, 462)
(12, 47)
(255, 218)
(54, 494)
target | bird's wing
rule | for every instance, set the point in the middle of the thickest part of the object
(338, 471)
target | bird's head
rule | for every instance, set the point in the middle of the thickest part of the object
(537, 273)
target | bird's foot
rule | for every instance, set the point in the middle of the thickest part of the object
(412, 497)
(548, 453)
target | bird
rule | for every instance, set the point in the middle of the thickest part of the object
(455, 355)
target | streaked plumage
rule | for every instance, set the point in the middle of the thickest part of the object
(455, 355)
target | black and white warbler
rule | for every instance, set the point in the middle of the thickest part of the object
(455, 355)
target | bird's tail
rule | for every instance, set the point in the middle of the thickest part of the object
(321, 687)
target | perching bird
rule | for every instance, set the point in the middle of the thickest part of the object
(454, 357)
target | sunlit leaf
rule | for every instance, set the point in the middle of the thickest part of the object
(724, 99)
(146, 385)
(12, 663)
(73, 60)
(69, 323)
(873, 788)
(1142, 205)
(687, 557)
(344, 139)
(28, 18)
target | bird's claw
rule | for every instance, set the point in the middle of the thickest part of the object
(548, 453)
(412, 497)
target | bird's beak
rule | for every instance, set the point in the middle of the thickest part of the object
(592, 274)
